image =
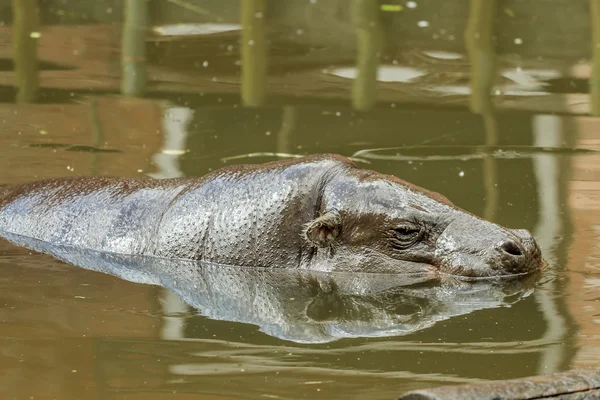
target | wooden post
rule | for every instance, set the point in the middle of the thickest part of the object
(133, 55)
(254, 53)
(369, 46)
(26, 28)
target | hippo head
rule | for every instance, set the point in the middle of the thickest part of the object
(371, 222)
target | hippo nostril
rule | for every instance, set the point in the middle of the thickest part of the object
(511, 248)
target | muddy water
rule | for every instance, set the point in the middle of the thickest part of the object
(72, 333)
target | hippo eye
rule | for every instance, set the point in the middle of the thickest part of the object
(406, 235)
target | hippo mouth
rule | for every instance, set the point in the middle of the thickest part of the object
(474, 270)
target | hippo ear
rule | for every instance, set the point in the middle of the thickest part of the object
(322, 231)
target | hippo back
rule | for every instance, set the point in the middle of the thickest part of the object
(248, 215)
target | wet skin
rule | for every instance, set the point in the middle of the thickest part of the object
(317, 213)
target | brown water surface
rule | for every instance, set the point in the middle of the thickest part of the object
(72, 333)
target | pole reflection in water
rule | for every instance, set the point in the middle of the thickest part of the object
(254, 53)
(480, 49)
(176, 121)
(133, 55)
(26, 35)
(175, 129)
(369, 46)
(289, 119)
(490, 173)
(595, 76)
(547, 131)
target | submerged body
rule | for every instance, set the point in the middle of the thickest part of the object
(318, 212)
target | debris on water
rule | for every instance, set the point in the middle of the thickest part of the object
(461, 173)
(173, 152)
(391, 8)
(423, 24)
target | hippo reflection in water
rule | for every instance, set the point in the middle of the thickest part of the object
(305, 306)
(318, 213)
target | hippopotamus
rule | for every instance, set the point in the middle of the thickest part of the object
(319, 212)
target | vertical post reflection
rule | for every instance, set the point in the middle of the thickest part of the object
(26, 27)
(288, 124)
(133, 55)
(369, 46)
(97, 133)
(254, 53)
(490, 173)
(175, 128)
(547, 131)
(595, 76)
(480, 48)
(491, 187)
(176, 121)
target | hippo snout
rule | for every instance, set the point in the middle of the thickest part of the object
(519, 254)
(486, 249)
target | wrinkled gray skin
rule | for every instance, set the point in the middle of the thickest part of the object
(316, 213)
